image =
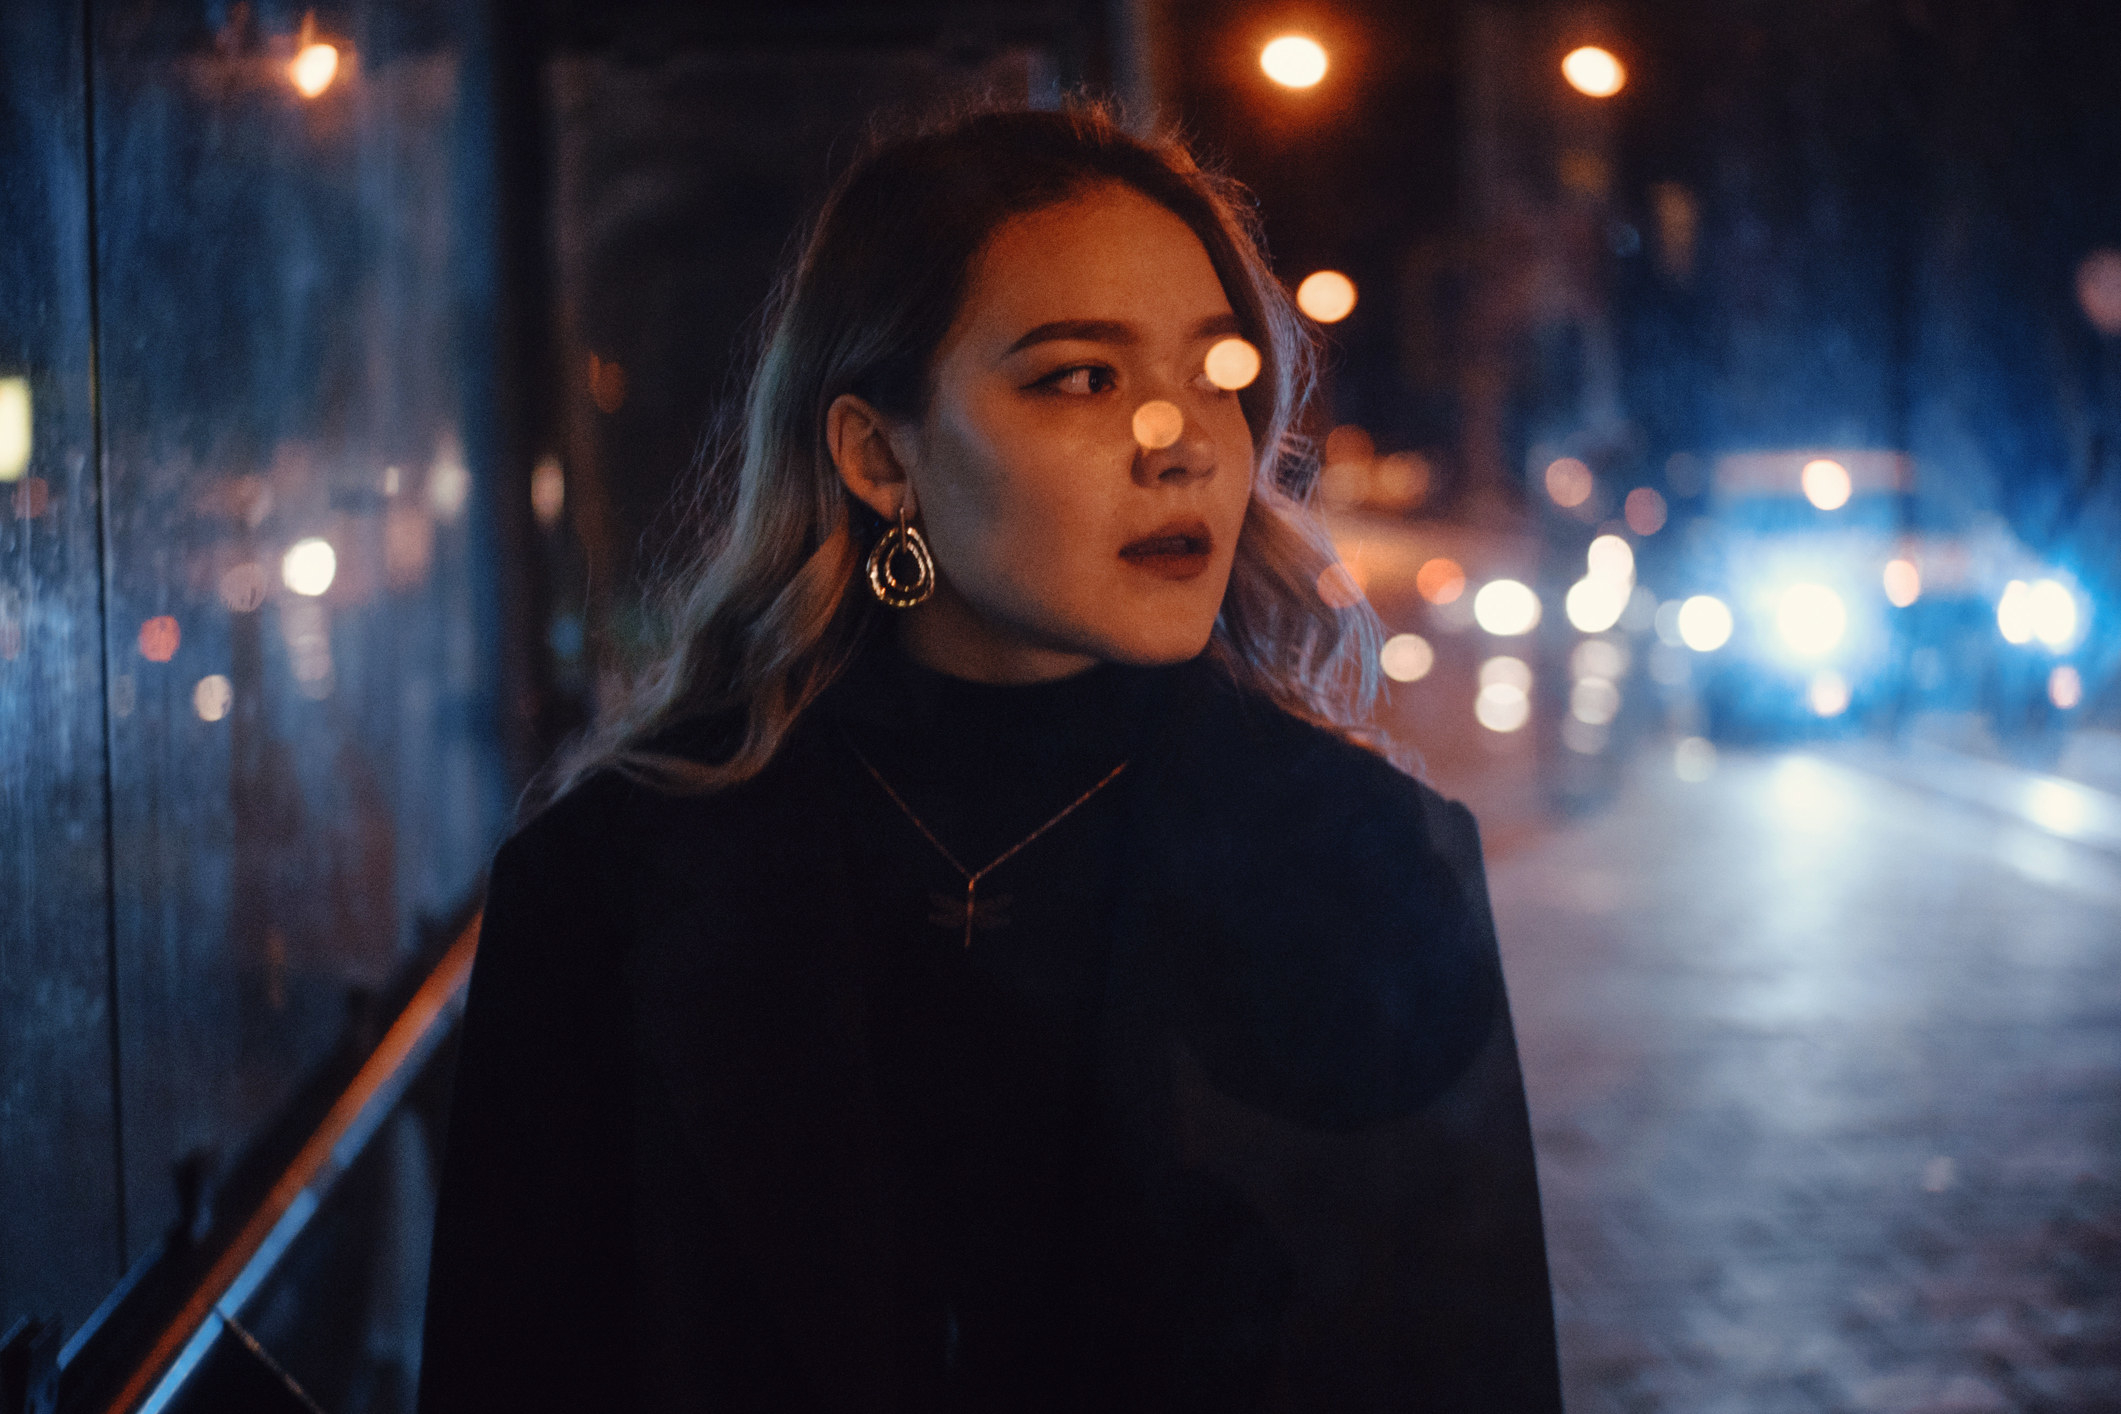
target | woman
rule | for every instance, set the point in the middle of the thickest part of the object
(984, 970)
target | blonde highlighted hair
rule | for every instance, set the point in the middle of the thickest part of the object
(772, 603)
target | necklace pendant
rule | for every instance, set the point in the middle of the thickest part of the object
(965, 914)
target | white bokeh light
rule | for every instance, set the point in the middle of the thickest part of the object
(309, 566)
(1505, 669)
(1826, 483)
(2053, 612)
(1704, 623)
(1611, 557)
(1294, 61)
(1502, 707)
(1407, 657)
(1595, 604)
(2014, 612)
(1506, 608)
(1827, 694)
(1811, 619)
(212, 697)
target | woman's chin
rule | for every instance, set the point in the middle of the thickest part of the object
(1155, 645)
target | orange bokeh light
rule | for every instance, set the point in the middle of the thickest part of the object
(1294, 61)
(1327, 296)
(1594, 72)
(158, 639)
(1339, 586)
(1158, 424)
(607, 384)
(1232, 364)
(1440, 581)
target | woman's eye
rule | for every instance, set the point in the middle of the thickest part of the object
(1083, 378)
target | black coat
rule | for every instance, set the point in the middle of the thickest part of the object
(668, 1183)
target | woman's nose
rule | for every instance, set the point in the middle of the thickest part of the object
(1173, 446)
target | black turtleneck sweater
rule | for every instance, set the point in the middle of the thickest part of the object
(1219, 1111)
(984, 1053)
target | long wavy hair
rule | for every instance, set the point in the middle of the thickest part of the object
(770, 606)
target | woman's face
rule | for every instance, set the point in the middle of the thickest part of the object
(1061, 538)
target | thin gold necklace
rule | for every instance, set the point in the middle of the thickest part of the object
(972, 877)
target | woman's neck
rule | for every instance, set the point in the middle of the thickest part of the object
(946, 635)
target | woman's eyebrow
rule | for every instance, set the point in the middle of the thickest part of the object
(1089, 331)
(1110, 331)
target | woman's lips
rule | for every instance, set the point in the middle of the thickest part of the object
(1176, 551)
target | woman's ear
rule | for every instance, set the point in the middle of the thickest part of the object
(863, 452)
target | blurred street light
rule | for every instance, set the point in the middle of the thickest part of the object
(313, 69)
(14, 428)
(1704, 623)
(2053, 611)
(1506, 608)
(1294, 61)
(548, 491)
(1440, 581)
(1407, 657)
(1569, 482)
(1827, 693)
(1903, 582)
(2099, 290)
(309, 566)
(1644, 511)
(2014, 614)
(1812, 619)
(1594, 72)
(1610, 557)
(1826, 484)
(1594, 604)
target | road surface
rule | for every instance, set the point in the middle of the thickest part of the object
(1825, 1070)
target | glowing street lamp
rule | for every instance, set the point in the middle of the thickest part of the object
(1594, 72)
(314, 68)
(1294, 61)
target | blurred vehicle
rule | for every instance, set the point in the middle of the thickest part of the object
(1794, 547)
(1818, 600)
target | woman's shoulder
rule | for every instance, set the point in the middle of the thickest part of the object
(630, 827)
(1257, 748)
(589, 820)
(1327, 912)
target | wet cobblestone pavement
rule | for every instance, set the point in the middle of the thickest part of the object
(1825, 1072)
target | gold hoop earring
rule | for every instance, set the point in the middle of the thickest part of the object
(897, 546)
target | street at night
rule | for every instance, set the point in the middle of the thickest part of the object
(709, 706)
(1821, 1066)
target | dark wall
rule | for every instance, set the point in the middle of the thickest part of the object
(60, 1197)
(248, 319)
